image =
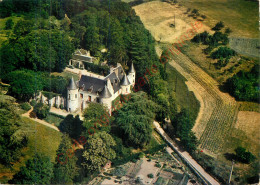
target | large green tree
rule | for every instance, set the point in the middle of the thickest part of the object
(71, 126)
(183, 124)
(12, 138)
(96, 118)
(65, 168)
(23, 84)
(38, 170)
(98, 151)
(135, 119)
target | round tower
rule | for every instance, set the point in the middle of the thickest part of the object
(125, 85)
(72, 96)
(106, 98)
(131, 74)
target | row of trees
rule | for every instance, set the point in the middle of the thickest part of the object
(25, 84)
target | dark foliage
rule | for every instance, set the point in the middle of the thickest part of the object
(244, 85)
(38, 170)
(72, 126)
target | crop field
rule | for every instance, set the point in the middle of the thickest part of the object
(239, 15)
(219, 112)
(245, 46)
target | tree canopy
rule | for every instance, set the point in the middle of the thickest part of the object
(38, 170)
(72, 126)
(65, 168)
(99, 150)
(12, 139)
(135, 119)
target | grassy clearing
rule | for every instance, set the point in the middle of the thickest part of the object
(52, 119)
(185, 98)
(42, 139)
(240, 15)
(66, 75)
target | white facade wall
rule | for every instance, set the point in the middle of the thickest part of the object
(126, 89)
(73, 100)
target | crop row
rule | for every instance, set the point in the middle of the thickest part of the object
(225, 109)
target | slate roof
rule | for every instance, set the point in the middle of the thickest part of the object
(94, 85)
(72, 84)
(125, 81)
(105, 93)
(132, 69)
(114, 81)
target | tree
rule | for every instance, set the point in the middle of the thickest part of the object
(223, 52)
(9, 24)
(65, 168)
(37, 171)
(245, 85)
(96, 118)
(218, 26)
(135, 118)
(228, 31)
(244, 156)
(12, 139)
(182, 127)
(72, 126)
(195, 12)
(23, 84)
(99, 150)
(41, 110)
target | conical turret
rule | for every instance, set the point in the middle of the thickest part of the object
(72, 84)
(132, 69)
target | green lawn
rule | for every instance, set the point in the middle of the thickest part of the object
(42, 139)
(66, 75)
(53, 119)
(240, 15)
(185, 98)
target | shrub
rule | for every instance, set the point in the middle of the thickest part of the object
(158, 165)
(223, 52)
(61, 106)
(32, 115)
(9, 24)
(150, 176)
(243, 156)
(33, 103)
(109, 174)
(41, 110)
(25, 106)
(138, 180)
(218, 26)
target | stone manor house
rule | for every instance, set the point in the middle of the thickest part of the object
(101, 90)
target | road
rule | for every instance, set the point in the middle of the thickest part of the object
(186, 156)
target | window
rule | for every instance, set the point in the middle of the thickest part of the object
(98, 100)
(81, 95)
(75, 95)
(89, 98)
(69, 96)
